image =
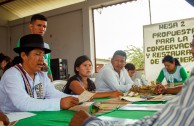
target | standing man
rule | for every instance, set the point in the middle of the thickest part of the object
(38, 25)
(114, 76)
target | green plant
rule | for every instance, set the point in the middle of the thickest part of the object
(135, 55)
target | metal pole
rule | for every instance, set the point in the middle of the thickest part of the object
(150, 12)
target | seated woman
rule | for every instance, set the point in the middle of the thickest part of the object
(174, 73)
(80, 81)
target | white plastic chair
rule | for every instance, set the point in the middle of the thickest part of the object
(59, 84)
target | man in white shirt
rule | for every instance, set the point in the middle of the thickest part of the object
(24, 87)
(114, 76)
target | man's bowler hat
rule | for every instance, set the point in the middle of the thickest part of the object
(31, 41)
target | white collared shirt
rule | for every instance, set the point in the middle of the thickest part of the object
(108, 79)
(13, 96)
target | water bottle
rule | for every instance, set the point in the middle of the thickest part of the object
(143, 80)
(188, 74)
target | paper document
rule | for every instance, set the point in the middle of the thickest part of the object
(84, 106)
(132, 99)
(162, 98)
(146, 107)
(85, 96)
(14, 116)
(118, 121)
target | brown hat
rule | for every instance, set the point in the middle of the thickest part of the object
(31, 41)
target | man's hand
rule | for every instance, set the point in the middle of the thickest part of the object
(79, 118)
(45, 67)
(4, 118)
(115, 94)
(68, 102)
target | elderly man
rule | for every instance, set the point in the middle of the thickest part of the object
(25, 87)
(114, 76)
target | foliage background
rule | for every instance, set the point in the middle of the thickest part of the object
(135, 55)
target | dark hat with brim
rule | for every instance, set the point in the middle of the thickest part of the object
(31, 41)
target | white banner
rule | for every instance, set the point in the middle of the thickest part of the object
(169, 38)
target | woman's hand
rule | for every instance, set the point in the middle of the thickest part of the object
(160, 89)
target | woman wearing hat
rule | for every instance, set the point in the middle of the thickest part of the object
(25, 87)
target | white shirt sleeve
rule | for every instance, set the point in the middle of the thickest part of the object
(113, 82)
(127, 77)
(21, 101)
(15, 98)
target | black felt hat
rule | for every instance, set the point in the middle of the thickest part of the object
(31, 41)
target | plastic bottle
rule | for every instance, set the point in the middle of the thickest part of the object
(143, 80)
(188, 73)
